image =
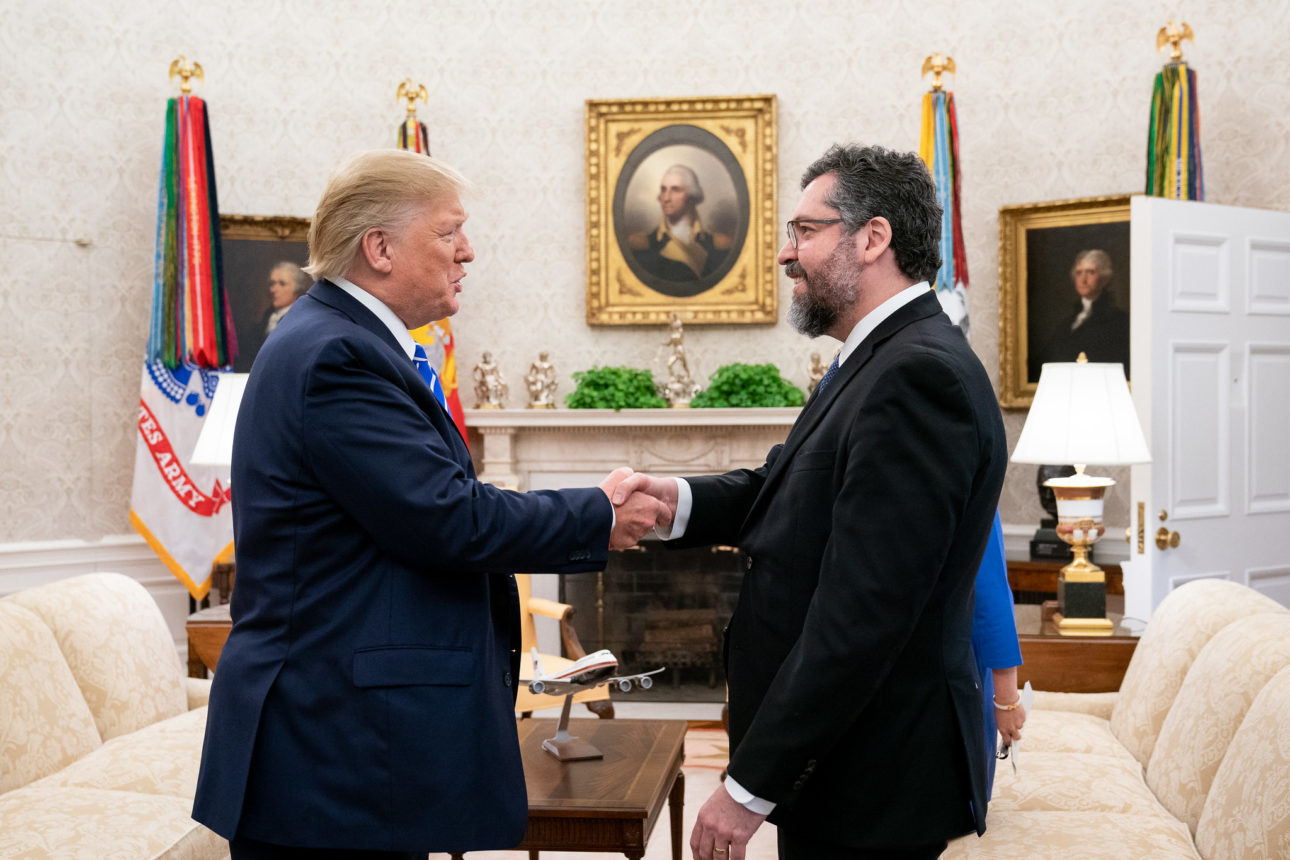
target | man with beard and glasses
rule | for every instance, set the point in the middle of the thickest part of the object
(855, 706)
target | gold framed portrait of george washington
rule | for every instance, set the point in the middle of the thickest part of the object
(681, 210)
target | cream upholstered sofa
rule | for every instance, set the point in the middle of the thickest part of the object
(1189, 759)
(100, 730)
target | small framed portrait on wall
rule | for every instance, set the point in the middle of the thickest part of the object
(680, 210)
(1063, 288)
(263, 257)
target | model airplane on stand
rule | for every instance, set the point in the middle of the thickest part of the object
(594, 670)
(587, 673)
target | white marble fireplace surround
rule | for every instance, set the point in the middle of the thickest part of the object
(534, 449)
(537, 449)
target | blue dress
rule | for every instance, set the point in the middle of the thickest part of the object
(994, 632)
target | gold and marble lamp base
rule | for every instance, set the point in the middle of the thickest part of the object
(1081, 586)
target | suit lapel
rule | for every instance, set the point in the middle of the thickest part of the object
(820, 403)
(339, 300)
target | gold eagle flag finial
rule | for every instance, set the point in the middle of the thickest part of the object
(411, 91)
(937, 65)
(1172, 35)
(186, 71)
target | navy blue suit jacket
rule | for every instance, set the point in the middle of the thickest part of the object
(854, 699)
(365, 696)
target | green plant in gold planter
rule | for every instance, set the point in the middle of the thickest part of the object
(614, 388)
(748, 385)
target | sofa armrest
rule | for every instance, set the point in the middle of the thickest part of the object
(1094, 704)
(199, 692)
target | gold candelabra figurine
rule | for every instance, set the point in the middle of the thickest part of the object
(490, 390)
(411, 92)
(541, 383)
(186, 71)
(1173, 35)
(938, 65)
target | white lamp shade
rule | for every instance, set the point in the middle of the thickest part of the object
(215, 443)
(1082, 414)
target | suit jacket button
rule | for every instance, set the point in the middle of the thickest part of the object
(506, 679)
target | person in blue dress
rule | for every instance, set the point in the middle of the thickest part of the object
(998, 653)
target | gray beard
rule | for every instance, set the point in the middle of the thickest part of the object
(816, 309)
(810, 316)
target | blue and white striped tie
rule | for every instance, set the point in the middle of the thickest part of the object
(428, 374)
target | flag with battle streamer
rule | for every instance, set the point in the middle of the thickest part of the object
(183, 511)
(938, 146)
(436, 337)
(1174, 166)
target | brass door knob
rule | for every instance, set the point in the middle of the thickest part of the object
(1166, 539)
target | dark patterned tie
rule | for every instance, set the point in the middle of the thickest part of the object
(428, 374)
(826, 378)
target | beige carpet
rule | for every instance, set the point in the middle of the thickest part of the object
(706, 753)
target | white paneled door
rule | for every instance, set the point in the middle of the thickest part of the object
(1211, 382)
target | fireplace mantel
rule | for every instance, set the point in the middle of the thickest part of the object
(551, 448)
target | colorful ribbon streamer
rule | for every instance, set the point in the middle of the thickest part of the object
(414, 137)
(939, 147)
(1174, 166)
(192, 319)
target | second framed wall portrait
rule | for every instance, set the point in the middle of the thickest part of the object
(1063, 288)
(263, 258)
(681, 210)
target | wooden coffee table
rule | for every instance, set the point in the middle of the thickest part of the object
(608, 804)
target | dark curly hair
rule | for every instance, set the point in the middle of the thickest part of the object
(873, 181)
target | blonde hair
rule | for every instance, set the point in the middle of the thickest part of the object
(378, 188)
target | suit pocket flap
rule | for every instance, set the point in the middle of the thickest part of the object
(411, 665)
(805, 461)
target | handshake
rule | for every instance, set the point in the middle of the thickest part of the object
(641, 502)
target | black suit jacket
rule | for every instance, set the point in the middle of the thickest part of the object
(365, 696)
(855, 703)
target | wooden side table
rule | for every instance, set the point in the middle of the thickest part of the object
(609, 804)
(208, 630)
(1072, 664)
(1041, 576)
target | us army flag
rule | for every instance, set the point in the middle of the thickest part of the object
(182, 511)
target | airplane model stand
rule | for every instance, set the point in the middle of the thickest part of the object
(586, 673)
(566, 748)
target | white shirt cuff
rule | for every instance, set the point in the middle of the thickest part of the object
(746, 798)
(684, 503)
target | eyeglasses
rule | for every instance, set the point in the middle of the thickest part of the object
(792, 226)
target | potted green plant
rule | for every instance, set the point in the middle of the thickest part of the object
(745, 385)
(614, 388)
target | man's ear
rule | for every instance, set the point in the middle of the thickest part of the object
(878, 239)
(376, 251)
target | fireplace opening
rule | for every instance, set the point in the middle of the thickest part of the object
(656, 607)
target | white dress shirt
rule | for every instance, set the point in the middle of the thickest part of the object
(382, 311)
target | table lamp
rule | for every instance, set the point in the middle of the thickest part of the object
(215, 443)
(215, 448)
(1082, 413)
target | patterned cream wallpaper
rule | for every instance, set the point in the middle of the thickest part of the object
(1052, 97)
